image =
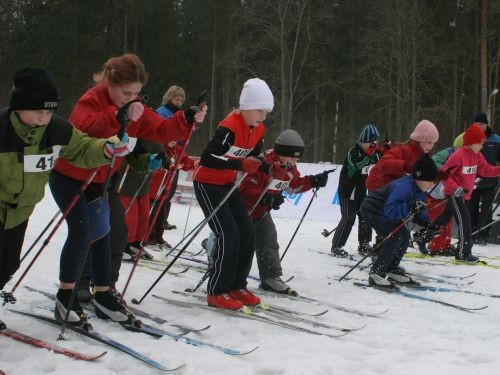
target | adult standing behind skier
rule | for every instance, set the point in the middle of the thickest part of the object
(30, 132)
(287, 150)
(234, 147)
(120, 81)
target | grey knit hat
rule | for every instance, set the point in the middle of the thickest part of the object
(289, 143)
(369, 134)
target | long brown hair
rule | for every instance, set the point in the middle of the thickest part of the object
(120, 69)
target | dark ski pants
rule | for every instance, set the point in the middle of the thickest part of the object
(393, 249)
(456, 207)
(11, 243)
(118, 237)
(267, 247)
(80, 223)
(234, 231)
(349, 209)
(480, 206)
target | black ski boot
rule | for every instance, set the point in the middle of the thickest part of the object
(76, 315)
(2, 325)
(365, 248)
(418, 238)
(339, 252)
(108, 306)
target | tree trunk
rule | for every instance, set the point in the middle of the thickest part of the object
(484, 55)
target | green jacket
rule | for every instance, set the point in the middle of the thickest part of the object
(27, 156)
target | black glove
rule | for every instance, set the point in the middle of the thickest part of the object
(202, 101)
(433, 228)
(319, 180)
(417, 207)
(274, 201)
(165, 160)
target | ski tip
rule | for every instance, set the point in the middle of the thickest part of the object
(249, 351)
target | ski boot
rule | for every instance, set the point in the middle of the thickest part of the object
(379, 281)
(276, 285)
(418, 238)
(399, 276)
(168, 226)
(76, 315)
(2, 325)
(224, 301)
(107, 306)
(339, 252)
(245, 297)
(84, 294)
(365, 248)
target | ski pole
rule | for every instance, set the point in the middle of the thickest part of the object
(489, 210)
(200, 227)
(189, 212)
(327, 233)
(164, 195)
(122, 119)
(315, 190)
(40, 236)
(122, 181)
(56, 227)
(134, 197)
(403, 223)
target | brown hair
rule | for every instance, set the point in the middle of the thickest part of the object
(171, 93)
(120, 69)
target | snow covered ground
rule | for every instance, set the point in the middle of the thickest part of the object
(413, 337)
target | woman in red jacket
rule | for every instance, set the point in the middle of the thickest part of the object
(119, 82)
(399, 160)
(237, 140)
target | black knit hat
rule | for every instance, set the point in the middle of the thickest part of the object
(289, 143)
(425, 169)
(481, 117)
(33, 88)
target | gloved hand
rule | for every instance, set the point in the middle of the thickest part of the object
(135, 111)
(460, 192)
(280, 173)
(250, 164)
(319, 180)
(155, 162)
(195, 114)
(274, 201)
(417, 207)
(117, 147)
(369, 151)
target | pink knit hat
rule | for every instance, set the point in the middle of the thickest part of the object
(425, 131)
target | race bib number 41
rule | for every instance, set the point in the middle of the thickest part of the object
(39, 163)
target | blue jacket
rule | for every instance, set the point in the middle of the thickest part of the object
(491, 152)
(164, 111)
(393, 202)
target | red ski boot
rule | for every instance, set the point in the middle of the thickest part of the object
(245, 297)
(224, 301)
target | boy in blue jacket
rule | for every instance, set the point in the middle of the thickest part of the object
(390, 205)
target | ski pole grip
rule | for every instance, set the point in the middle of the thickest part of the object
(121, 114)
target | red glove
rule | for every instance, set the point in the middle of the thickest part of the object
(250, 164)
(369, 151)
(280, 173)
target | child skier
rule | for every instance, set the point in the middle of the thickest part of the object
(118, 83)
(462, 167)
(235, 145)
(352, 190)
(288, 148)
(387, 208)
(30, 132)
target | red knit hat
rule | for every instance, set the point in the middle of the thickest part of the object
(474, 134)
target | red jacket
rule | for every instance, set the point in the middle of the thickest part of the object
(393, 164)
(186, 164)
(253, 185)
(462, 167)
(233, 141)
(95, 114)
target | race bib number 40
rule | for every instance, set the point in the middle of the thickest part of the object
(39, 163)
(471, 169)
(238, 152)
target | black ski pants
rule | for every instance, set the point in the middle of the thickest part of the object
(349, 209)
(11, 243)
(480, 206)
(235, 236)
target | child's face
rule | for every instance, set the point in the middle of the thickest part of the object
(123, 93)
(288, 160)
(178, 101)
(253, 117)
(427, 146)
(476, 147)
(34, 117)
(365, 145)
(424, 185)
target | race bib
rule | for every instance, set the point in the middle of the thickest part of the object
(278, 185)
(40, 163)
(366, 169)
(238, 152)
(132, 141)
(469, 169)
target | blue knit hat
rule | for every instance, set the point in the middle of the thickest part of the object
(369, 134)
